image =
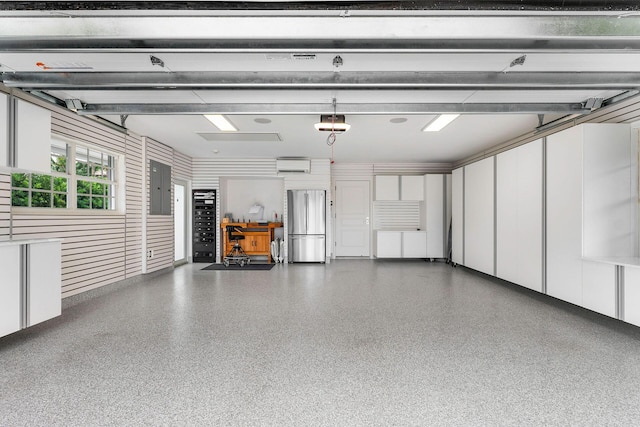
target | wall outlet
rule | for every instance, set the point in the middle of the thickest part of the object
(150, 254)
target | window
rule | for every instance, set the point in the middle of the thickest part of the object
(88, 182)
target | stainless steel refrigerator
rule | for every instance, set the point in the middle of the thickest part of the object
(306, 220)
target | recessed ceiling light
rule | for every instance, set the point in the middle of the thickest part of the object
(439, 122)
(262, 120)
(221, 122)
(398, 120)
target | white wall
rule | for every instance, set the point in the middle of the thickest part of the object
(238, 195)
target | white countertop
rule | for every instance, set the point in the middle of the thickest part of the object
(625, 261)
(27, 241)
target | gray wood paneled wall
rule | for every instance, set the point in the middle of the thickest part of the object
(5, 205)
(100, 248)
(133, 216)
(159, 227)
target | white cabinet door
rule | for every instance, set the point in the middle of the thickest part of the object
(44, 282)
(33, 137)
(457, 216)
(479, 215)
(599, 287)
(564, 215)
(4, 125)
(631, 306)
(435, 215)
(609, 191)
(414, 244)
(412, 187)
(10, 287)
(519, 215)
(389, 244)
(387, 187)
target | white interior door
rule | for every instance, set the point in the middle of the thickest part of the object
(180, 222)
(352, 218)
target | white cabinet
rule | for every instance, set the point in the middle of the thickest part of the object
(44, 281)
(412, 187)
(599, 287)
(33, 137)
(414, 244)
(437, 208)
(387, 187)
(401, 244)
(457, 216)
(591, 196)
(10, 290)
(394, 187)
(26, 300)
(631, 307)
(389, 244)
(4, 125)
(479, 215)
(519, 231)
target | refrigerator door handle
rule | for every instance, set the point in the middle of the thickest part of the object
(306, 206)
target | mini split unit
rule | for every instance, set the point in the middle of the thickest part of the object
(293, 165)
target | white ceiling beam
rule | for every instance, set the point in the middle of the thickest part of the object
(322, 80)
(342, 108)
(252, 32)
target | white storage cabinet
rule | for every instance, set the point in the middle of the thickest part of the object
(387, 187)
(437, 213)
(395, 187)
(519, 194)
(401, 244)
(389, 244)
(26, 301)
(591, 207)
(479, 215)
(457, 216)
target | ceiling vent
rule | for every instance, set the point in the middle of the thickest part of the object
(293, 165)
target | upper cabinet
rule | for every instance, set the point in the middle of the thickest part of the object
(412, 187)
(394, 187)
(387, 187)
(32, 143)
(4, 124)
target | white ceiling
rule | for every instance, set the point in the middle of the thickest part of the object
(249, 50)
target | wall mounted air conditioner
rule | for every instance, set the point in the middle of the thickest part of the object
(293, 165)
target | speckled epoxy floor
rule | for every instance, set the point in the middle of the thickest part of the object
(351, 343)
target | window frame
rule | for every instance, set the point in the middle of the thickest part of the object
(115, 181)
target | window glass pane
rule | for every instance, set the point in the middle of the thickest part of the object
(82, 164)
(97, 188)
(41, 182)
(84, 202)
(20, 180)
(59, 184)
(101, 172)
(97, 203)
(59, 200)
(19, 198)
(40, 199)
(83, 187)
(58, 156)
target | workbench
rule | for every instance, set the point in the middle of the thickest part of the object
(257, 237)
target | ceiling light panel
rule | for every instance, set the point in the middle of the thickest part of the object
(241, 136)
(221, 122)
(440, 122)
